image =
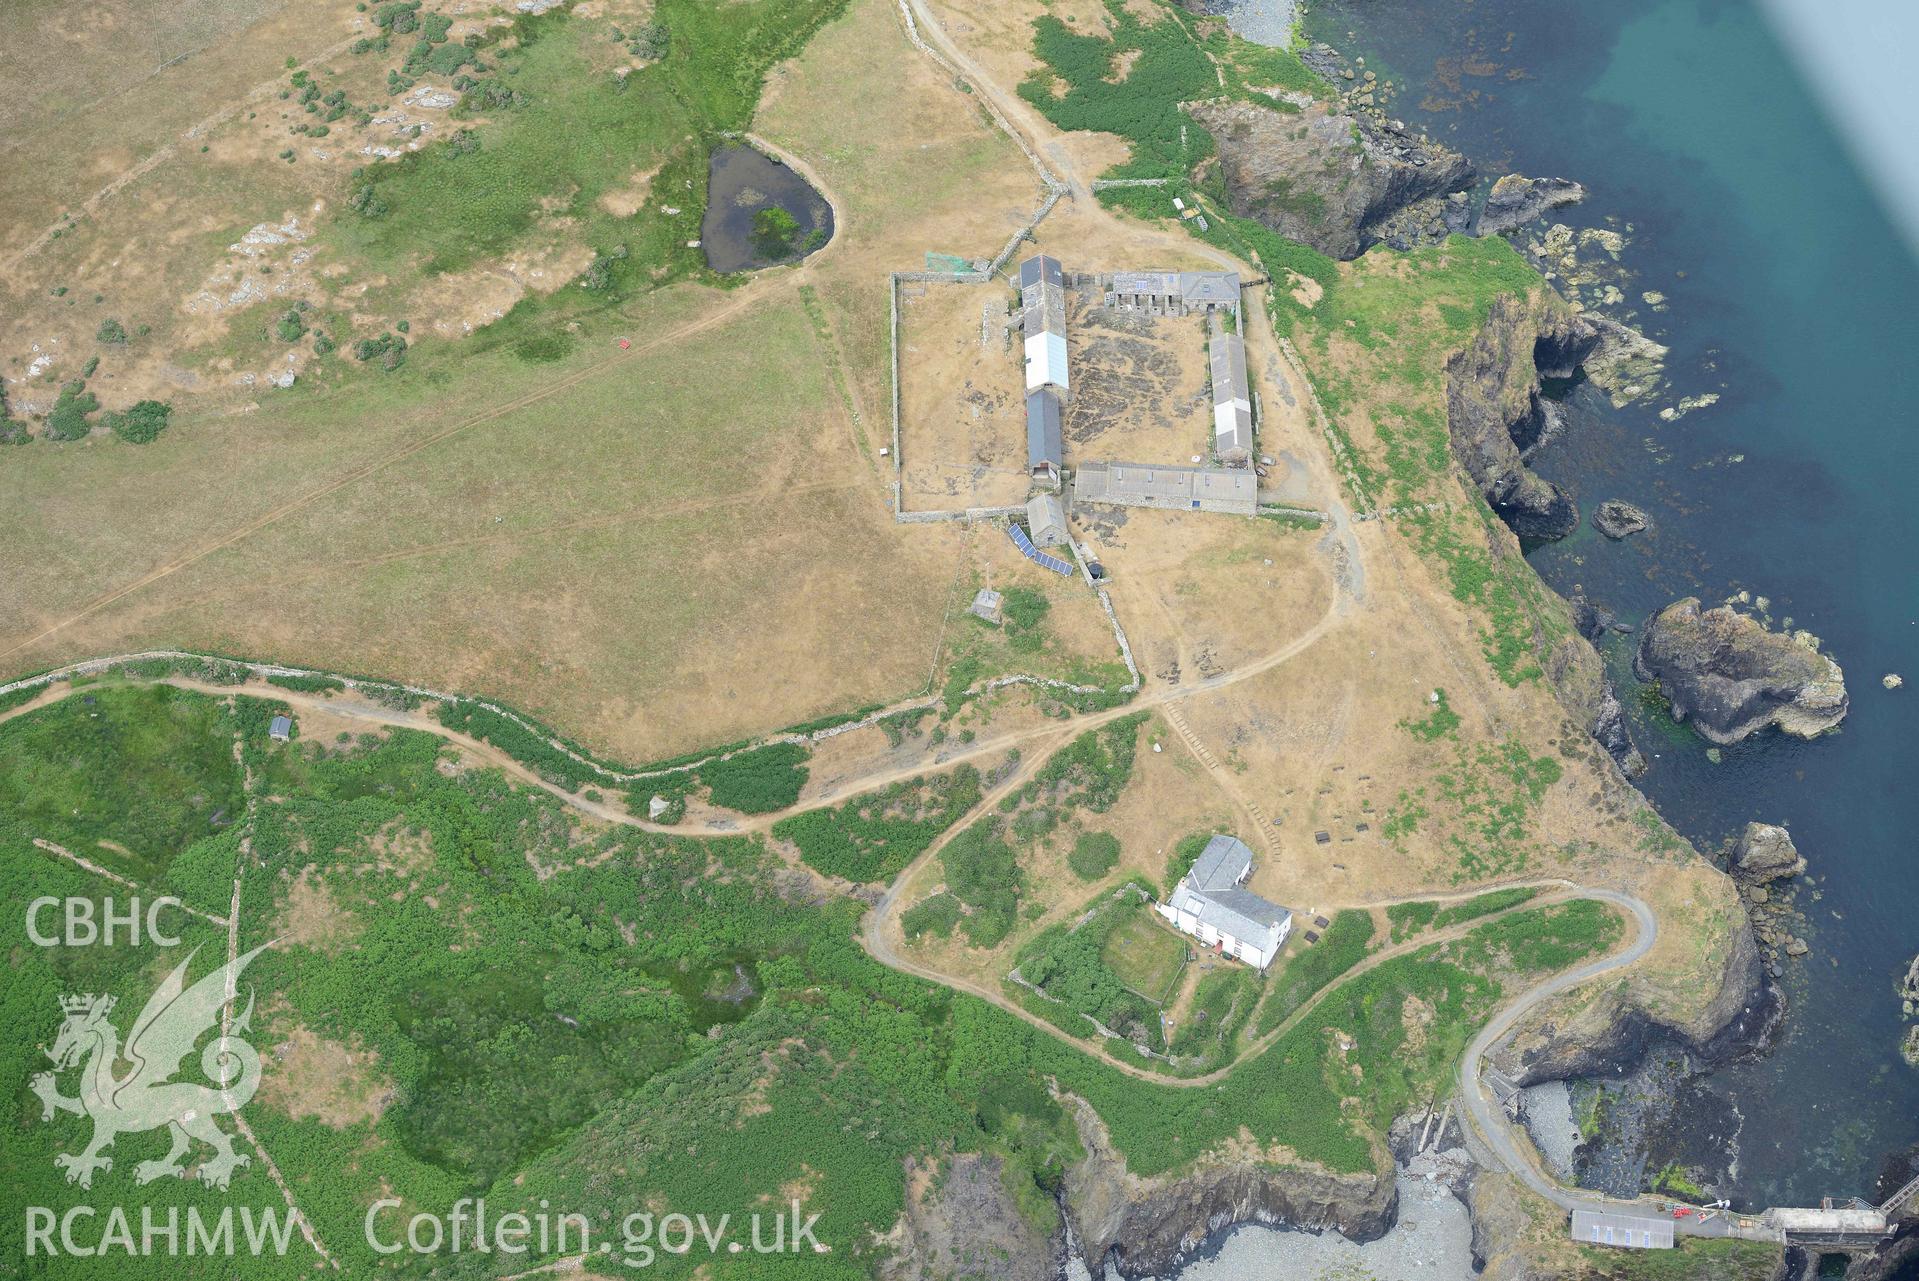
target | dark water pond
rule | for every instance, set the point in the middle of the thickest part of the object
(759, 213)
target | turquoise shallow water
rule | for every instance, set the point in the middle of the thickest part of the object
(1791, 296)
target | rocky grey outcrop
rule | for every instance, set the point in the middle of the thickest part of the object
(1765, 852)
(960, 1220)
(1728, 676)
(1496, 410)
(1149, 1226)
(1617, 519)
(1909, 986)
(1515, 201)
(1327, 178)
(1624, 363)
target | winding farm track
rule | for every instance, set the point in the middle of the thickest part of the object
(878, 924)
(1488, 1130)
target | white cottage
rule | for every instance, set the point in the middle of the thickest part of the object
(1210, 905)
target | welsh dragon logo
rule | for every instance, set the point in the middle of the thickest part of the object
(146, 1097)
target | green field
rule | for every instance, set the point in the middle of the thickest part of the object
(474, 993)
(1146, 956)
(126, 778)
(1312, 967)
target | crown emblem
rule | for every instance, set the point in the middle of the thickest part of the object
(85, 1002)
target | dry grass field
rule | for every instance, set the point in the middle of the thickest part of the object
(687, 541)
(624, 543)
(962, 399)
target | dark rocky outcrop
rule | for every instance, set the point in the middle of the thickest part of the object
(1592, 621)
(1515, 201)
(1496, 411)
(1729, 677)
(1335, 181)
(1616, 519)
(1891, 1259)
(1624, 363)
(1579, 679)
(1608, 1034)
(1150, 1226)
(1765, 853)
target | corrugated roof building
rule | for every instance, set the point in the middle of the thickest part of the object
(1042, 292)
(1210, 905)
(1591, 1227)
(1044, 439)
(1232, 401)
(1234, 491)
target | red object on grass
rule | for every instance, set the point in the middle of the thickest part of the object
(624, 344)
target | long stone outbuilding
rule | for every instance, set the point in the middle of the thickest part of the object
(1232, 490)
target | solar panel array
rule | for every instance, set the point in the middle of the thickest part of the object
(1034, 554)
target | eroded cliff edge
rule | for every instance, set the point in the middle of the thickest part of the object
(1150, 1226)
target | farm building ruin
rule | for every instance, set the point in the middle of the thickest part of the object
(1209, 904)
(1234, 491)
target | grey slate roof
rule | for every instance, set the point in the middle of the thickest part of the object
(1210, 891)
(1162, 283)
(1217, 288)
(1040, 269)
(1240, 913)
(1222, 864)
(1043, 437)
(1046, 520)
(1193, 288)
(1042, 290)
(1135, 482)
(1231, 394)
(1229, 368)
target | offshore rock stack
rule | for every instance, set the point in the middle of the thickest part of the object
(1909, 998)
(1728, 676)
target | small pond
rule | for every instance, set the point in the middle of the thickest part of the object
(759, 213)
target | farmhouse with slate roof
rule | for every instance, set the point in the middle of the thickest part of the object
(1209, 904)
